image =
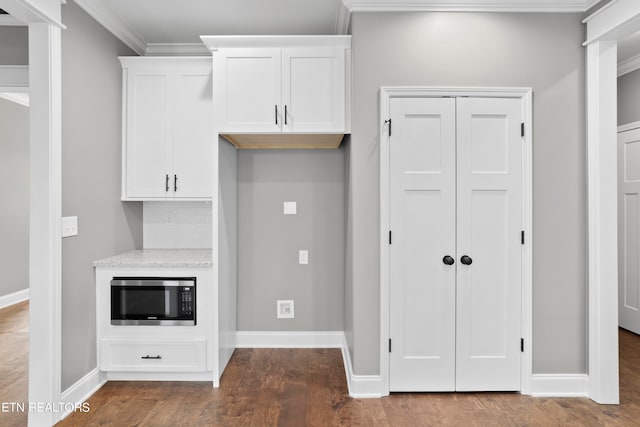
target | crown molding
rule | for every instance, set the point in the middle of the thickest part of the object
(176, 49)
(98, 10)
(562, 6)
(10, 21)
(342, 19)
(21, 98)
(629, 65)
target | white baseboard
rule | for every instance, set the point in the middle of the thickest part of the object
(14, 298)
(360, 386)
(79, 392)
(289, 339)
(560, 385)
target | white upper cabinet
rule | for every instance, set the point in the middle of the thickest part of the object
(281, 84)
(167, 130)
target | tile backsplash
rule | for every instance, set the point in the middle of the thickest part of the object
(177, 225)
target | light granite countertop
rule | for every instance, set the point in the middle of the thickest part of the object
(159, 258)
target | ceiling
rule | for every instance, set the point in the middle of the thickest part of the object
(151, 26)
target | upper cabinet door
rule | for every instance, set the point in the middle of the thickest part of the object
(247, 90)
(193, 134)
(313, 89)
(146, 130)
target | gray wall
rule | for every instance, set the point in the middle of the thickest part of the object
(14, 193)
(268, 241)
(91, 164)
(14, 46)
(629, 98)
(542, 51)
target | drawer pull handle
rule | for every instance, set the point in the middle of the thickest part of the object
(147, 357)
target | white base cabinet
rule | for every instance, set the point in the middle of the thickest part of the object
(145, 352)
(167, 130)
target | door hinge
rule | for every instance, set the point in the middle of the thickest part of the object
(388, 121)
(521, 345)
(389, 236)
(522, 129)
(522, 237)
(389, 345)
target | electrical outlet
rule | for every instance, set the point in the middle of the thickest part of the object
(303, 256)
(285, 309)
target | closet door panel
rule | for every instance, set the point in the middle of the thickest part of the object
(489, 222)
(422, 295)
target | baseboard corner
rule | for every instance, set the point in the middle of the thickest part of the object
(560, 385)
(82, 390)
(14, 298)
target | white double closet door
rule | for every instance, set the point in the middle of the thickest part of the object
(455, 191)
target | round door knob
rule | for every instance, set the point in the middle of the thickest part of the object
(448, 260)
(466, 260)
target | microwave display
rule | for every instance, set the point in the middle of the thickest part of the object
(153, 301)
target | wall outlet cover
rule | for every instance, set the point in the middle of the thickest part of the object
(285, 309)
(303, 256)
(290, 208)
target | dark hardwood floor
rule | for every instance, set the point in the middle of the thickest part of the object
(283, 387)
(14, 363)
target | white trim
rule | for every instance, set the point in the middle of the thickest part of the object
(342, 19)
(14, 78)
(16, 97)
(628, 65)
(560, 385)
(100, 11)
(567, 6)
(360, 386)
(14, 298)
(614, 21)
(628, 126)
(10, 21)
(214, 43)
(526, 95)
(45, 249)
(83, 389)
(177, 49)
(289, 339)
(602, 221)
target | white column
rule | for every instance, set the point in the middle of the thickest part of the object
(603, 220)
(45, 229)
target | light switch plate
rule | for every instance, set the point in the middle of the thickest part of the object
(290, 208)
(303, 256)
(69, 226)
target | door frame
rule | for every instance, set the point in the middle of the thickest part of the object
(43, 19)
(526, 96)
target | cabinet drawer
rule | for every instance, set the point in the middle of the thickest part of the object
(151, 356)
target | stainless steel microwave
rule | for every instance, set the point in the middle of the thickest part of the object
(165, 301)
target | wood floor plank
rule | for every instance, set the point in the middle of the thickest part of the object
(306, 387)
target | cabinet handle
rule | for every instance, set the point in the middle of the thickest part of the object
(276, 114)
(175, 182)
(285, 114)
(166, 183)
(147, 357)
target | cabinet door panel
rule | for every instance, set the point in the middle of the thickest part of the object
(247, 90)
(314, 89)
(146, 134)
(193, 136)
